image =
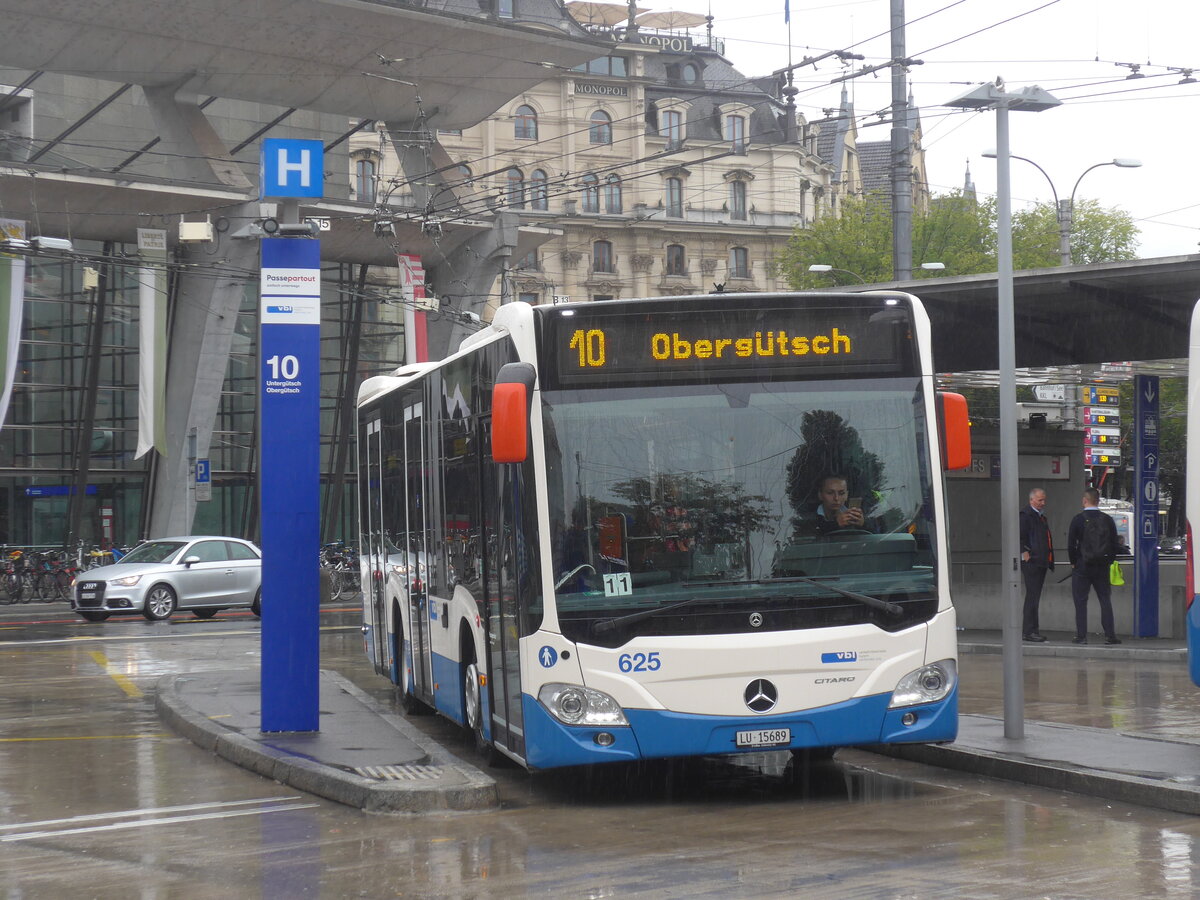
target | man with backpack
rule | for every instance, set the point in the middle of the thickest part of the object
(1092, 546)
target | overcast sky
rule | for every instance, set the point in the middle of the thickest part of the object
(1069, 47)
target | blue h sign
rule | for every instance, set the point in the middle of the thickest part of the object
(292, 168)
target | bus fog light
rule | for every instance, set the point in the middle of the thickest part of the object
(927, 684)
(604, 739)
(574, 704)
(909, 718)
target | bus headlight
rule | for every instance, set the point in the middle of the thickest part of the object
(573, 704)
(927, 684)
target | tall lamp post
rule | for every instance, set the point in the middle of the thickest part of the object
(1064, 210)
(1028, 99)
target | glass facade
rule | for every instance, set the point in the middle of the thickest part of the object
(51, 402)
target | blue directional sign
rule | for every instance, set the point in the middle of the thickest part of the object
(289, 399)
(292, 168)
(1145, 506)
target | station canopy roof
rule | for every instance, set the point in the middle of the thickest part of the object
(305, 54)
(1072, 324)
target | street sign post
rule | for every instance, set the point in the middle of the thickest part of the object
(203, 481)
(1145, 506)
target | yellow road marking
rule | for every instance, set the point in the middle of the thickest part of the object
(122, 681)
(87, 737)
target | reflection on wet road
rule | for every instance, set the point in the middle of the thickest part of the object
(97, 799)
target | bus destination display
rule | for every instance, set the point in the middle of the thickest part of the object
(667, 343)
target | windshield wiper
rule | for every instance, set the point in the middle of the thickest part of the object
(892, 609)
(606, 625)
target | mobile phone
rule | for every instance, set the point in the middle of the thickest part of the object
(855, 503)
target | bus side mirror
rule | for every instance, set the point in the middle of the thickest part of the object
(954, 430)
(512, 395)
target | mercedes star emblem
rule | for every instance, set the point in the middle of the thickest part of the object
(756, 620)
(761, 696)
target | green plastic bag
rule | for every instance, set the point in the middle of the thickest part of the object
(1115, 575)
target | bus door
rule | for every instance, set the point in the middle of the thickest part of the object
(412, 553)
(376, 557)
(501, 485)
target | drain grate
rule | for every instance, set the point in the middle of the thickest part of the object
(398, 773)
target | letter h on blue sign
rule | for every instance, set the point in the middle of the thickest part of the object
(292, 168)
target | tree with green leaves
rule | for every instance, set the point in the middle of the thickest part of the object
(957, 231)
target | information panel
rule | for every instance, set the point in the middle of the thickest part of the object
(711, 341)
(289, 399)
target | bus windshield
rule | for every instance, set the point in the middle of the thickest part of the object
(710, 502)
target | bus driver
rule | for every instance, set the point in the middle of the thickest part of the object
(833, 513)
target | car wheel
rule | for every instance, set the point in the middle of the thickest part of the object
(204, 613)
(256, 606)
(93, 616)
(160, 603)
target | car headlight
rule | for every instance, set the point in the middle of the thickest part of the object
(573, 704)
(127, 581)
(927, 684)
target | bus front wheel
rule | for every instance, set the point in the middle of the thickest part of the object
(473, 712)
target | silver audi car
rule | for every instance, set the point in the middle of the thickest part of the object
(201, 574)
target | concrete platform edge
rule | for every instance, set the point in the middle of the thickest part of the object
(458, 787)
(1062, 776)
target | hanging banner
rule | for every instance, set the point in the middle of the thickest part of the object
(12, 306)
(152, 342)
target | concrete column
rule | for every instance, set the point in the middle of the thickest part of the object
(203, 319)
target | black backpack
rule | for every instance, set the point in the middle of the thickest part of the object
(1095, 546)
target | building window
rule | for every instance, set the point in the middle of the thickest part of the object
(463, 171)
(613, 66)
(671, 127)
(690, 73)
(591, 194)
(676, 260)
(675, 197)
(600, 298)
(364, 180)
(739, 262)
(533, 299)
(525, 124)
(539, 190)
(737, 199)
(450, 131)
(528, 262)
(514, 189)
(506, 9)
(735, 132)
(602, 256)
(612, 194)
(600, 129)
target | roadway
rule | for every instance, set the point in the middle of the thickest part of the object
(99, 799)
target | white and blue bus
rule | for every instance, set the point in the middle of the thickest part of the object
(593, 533)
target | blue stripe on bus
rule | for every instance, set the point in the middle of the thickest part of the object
(661, 734)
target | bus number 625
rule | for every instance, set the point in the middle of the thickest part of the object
(639, 662)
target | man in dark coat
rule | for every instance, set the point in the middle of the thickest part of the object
(1037, 558)
(1092, 573)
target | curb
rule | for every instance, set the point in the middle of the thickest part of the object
(447, 784)
(1054, 775)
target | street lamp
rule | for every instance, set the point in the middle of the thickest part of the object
(1064, 210)
(819, 267)
(1028, 99)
